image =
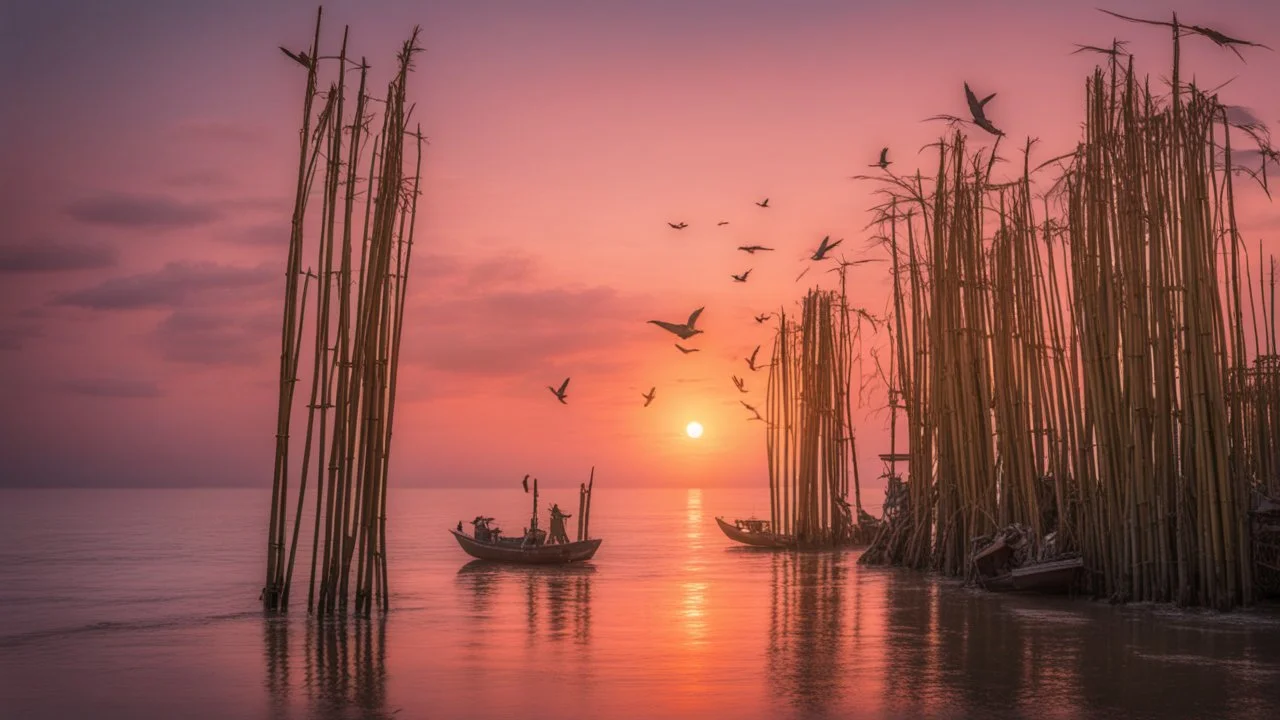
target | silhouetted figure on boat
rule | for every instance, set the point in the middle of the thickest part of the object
(558, 534)
(483, 533)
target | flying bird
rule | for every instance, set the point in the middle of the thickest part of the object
(751, 361)
(977, 108)
(740, 383)
(679, 226)
(560, 393)
(764, 203)
(743, 277)
(300, 58)
(825, 247)
(722, 222)
(653, 391)
(752, 249)
(753, 410)
(762, 318)
(883, 162)
(525, 482)
(684, 349)
(685, 331)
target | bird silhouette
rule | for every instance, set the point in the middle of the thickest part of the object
(825, 247)
(685, 350)
(680, 226)
(653, 391)
(722, 222)
(764, 317)
(753, 410)
(525, 482)
(560, 393)
(300, 58)
(686, 330)
(752, 249)
(883, 162)
(977, 108)
(743, 277)
(739, 382)
(751, 361)
(764, 203)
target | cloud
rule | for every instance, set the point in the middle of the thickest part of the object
(52, 256)
(214, 338)
(112, 388)
(141, 211)
(517, 333)
(221, 131)
(173, 286)
(12, 336)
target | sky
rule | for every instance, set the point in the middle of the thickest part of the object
(147, 175)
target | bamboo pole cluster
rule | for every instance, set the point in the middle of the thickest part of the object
(1085, 374)
(809, 430)
(362, 240)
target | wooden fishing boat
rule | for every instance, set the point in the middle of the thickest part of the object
(534, 546)
(516, 550)
(753, 532)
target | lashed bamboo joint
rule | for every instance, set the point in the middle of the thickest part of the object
(357, 321)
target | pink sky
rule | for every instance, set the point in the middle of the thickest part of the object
(148, 172)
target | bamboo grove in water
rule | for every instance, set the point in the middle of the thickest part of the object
(808, 412)
(1080, 363)
(362, 238)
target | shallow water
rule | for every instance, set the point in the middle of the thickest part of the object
(131, 603)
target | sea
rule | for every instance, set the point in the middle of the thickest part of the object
(144, 604)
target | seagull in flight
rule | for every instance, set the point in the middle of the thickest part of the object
(679, 226)
(764, 317)
(741, 278)
(977, 108)
(883, 162)
(685, 331)
(722, 222)
(653, 391)
(739, 382)
(825, 247)
(764, 203)
(751, 361)
(560, 393)
(525, 482)
(752, 249)
(753, 410)
(685, 350)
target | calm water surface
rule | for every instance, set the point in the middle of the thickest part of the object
(140, 604)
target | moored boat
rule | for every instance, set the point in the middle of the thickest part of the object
(534, 546)
(516, 550)
(753, 532)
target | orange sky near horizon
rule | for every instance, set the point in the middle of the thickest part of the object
(149, 174)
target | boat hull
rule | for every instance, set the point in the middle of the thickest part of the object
(557, 554)
(769, 540)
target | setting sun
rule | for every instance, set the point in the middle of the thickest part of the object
(694, 429)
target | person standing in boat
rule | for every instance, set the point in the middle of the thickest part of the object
(558, 535)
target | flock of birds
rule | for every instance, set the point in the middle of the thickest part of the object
(688, 329)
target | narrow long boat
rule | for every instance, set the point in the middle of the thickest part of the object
(514, 550)
(753, 532)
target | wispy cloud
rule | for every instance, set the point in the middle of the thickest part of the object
(56, 256)
(12, 336)
(217, 338)
(174, 285)
(142, 211)
(112, 388)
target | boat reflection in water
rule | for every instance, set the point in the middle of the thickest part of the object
(343, 673)
(557, 598)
